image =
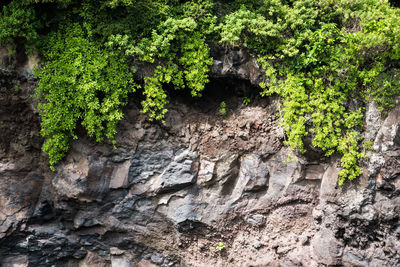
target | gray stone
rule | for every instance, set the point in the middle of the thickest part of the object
(257, 245)
(80, 254)
(147, 162)
(18, 261)
(388, 137)
(350, 259)
(157, 259)
(178, 174)
(284, 169)
(326, 248)
(373, 120)
(226, 167)
(375, 163)
(181, 209)
(19, 192)
(314, 171)
(119, 176)
(118, 261)
(253, 168)
(329, 183)
(255, 219)
(206, 171)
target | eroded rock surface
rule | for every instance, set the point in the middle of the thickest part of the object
(169, 193)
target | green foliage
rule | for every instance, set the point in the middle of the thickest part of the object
(290, 159)
(222, 108)
(220, 246)
(136, 19)
(245, 101)
(182, 47)
(179, 48)
(81, 83)
(325, 58)
(368, 145)
(18, 23)
(17, 88)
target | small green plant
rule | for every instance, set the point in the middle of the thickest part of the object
(17, 88)
(220, 246)
(290, 159)
(245, 101)
(222, 108)
(368, 145)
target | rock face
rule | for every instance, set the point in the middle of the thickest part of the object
(169, 193)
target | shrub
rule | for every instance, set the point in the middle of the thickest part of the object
(81, 83)
(325, 59)
(18, 22)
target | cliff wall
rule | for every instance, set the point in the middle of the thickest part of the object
(170, 192)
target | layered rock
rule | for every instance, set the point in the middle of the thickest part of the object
(170, 192)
